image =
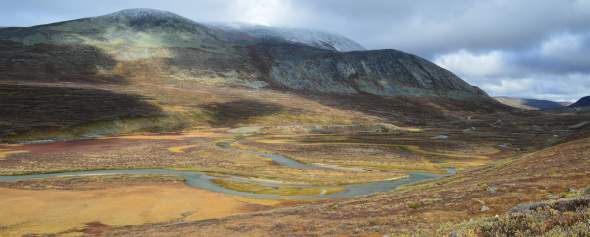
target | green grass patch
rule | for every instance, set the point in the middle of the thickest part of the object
(279, 191)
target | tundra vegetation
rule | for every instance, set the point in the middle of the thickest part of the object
(150, 90)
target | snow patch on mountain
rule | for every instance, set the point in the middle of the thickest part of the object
(318, 39)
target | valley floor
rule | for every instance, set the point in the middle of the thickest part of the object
(425, 209)
(267, 162)
(492, 177)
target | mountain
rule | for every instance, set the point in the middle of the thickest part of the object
(136, 27)
(377, 72)
(226, 78)
(583, 102)
(529, 104)
(318, 39)
(179, 47)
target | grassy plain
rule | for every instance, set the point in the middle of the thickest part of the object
(75, 211)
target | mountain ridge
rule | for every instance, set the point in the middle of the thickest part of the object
(582, 102)
(314, 38)
(529, 104)
(182, 48)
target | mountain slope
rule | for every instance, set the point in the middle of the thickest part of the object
(380, 72)
(529, 104)
(583, 102)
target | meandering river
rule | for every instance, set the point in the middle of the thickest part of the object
(204, 181)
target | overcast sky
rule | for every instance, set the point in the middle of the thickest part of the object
(525, 48)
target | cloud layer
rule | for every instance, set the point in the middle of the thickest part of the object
(526, 48)
(556, 68)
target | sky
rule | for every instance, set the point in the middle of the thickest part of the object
(526, 48)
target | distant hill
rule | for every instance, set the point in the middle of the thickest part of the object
(529, 104)
(583, 102)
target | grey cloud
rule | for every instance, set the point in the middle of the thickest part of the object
(421, 26)
(564, 53)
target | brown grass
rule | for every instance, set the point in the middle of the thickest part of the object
(498, 186)
(51, 211)
(566, 217)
